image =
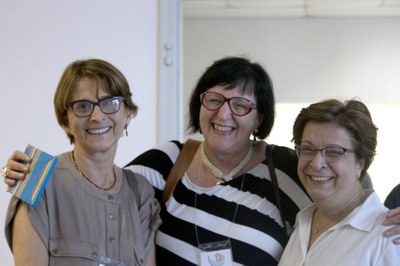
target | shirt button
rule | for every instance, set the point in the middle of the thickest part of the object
(110, 197)
(94, 255)
(55, 251)
(112, 240)
(111, 216)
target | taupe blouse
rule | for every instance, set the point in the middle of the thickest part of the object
(82, 225)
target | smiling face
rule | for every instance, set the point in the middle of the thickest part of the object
(98, 132)
(224, 131)
(336, 182)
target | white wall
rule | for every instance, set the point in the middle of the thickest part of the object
(39, 38)
(310, 60)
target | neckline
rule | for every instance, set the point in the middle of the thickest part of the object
(90, 180)
(325, 226)
(224, 177)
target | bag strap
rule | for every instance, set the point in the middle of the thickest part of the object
(182, 163)
(274, 180)
(133, 184)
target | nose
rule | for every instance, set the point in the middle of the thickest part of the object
(97, 114)
(224, 110)
(318, 161)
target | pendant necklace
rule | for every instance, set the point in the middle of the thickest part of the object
(221, 177)
(89, 180)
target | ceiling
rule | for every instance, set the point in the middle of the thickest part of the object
(290, 8)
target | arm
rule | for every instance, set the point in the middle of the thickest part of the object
(151, 260)
(28, 248)
(16, 169)
(393, 218)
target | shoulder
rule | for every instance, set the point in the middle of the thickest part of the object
(136, 179)
(284, 154)
(64, 162)
(285, 159)
(393, 199)
(165, 151)
(64, 176)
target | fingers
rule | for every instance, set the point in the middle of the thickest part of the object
(18, 156)
(10, 182)
(392, 232)
(393, 218)
(17, 167)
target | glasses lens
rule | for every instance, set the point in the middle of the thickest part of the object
(306, 153)
(82, 108)
(212, 101)
(240, 106)
(333, 154)
(110, 105)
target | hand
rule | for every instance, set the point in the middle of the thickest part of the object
(393, 218)
(16, 167)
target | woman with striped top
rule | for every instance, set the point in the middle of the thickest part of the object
(224, 208)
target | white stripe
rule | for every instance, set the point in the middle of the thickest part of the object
(285, 183)
(170, 149)
(177, 246)
(154, 177)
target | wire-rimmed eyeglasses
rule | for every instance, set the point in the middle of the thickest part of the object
(239, 106)
(84, 108)
(330, 154)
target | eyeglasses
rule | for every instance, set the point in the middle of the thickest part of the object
(84, 108)
(239, 106)
(330, 154)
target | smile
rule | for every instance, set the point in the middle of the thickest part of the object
(98, 131)
(223, 128)
(321, 178)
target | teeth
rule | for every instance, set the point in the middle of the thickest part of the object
(222, 128)
(320, 178)
(98, 130)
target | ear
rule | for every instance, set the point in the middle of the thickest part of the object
(66, 128)
(65, 125)
(128, 118)
(260, 119)
(360, 166)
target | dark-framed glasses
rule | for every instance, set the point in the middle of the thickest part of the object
(330, 154)
(239, 106)
(84, 108)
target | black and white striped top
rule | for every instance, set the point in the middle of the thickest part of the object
(196, 215)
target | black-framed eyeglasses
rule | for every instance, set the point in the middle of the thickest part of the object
(239, 106)
(330, 154)
(84, 108)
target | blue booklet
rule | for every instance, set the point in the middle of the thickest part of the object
(42, 165)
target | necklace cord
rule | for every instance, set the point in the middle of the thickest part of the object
(234, 215)
(221, 177)
(89, 180)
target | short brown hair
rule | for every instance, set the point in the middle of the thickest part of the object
(112, 80)
(353, 115)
